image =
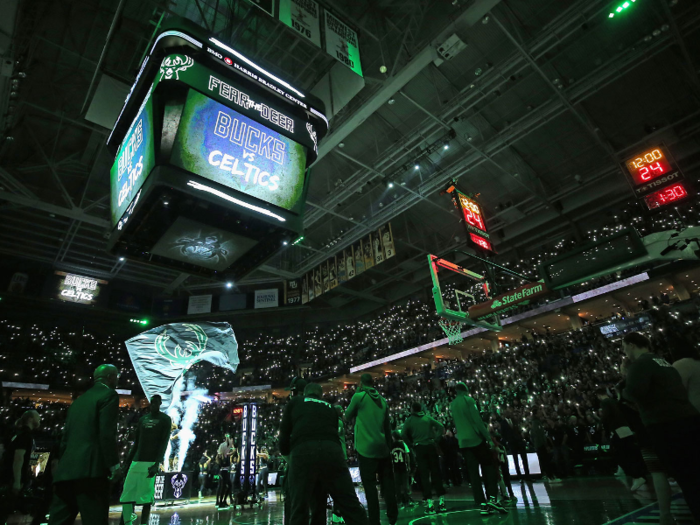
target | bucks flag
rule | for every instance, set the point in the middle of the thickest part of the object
(162, 355)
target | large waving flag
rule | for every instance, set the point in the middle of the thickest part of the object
(162, 355)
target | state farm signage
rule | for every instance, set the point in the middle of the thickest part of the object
(509, 300)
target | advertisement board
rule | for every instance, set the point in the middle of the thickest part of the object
(266, 298)
(222, 145)
(509, 300)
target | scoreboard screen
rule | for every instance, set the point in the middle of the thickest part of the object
(134, 161)
(656, 179)
(224, 146)
(667, 195)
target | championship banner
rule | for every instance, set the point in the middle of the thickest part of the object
(377, 248)
(342, 268)
(318, 287)
(305, 289)
(293, 291)
(359, 258)
(332, 273)
(509, 300)
(387, 241)
(341, 43)
(304, 17)
(350, 262)
(368, 252)
(162, 355)
(325, 277)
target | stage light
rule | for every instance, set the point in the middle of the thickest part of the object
(121, 259)
(416, 166)
(229, 284)
(391, 184)
(285, 243)
(446, 146)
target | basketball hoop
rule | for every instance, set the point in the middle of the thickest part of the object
(453, 330)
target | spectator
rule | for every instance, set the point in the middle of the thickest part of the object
(14, 469)
(671, 420)
(543, 447)
(686, 360)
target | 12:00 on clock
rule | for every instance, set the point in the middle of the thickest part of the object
(648, 166)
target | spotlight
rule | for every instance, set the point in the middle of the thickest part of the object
(417, 166)
(229, 284)
(165, 203)
(121, 259)
(391, 101)
(285, 243)
(446, 146)
(391, 184)
(382, 69)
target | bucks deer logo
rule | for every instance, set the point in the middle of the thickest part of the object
(312, 134)
(178, 482)
(173, 65)
(175, 353)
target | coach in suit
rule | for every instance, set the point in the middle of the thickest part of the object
(88, 458)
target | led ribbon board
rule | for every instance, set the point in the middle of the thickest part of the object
(222, 145)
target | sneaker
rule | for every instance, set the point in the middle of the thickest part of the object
(337, 519)
(484, 509)
(430, 507)
(441, 505)
(133, 519)
(493, 505)
(512, 500)
(637, 484)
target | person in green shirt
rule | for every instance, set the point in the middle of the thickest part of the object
(421, 432)
(671, 420)
(475, 444)
(373, 446)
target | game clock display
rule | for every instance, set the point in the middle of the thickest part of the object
(665, 196)
(648, 166)
(474, 221)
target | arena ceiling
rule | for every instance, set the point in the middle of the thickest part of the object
(538, 112)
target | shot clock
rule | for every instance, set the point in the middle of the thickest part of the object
(656, 178)
(473, 220)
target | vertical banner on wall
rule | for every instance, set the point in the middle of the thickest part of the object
(324, 276)
(342, 273)
(292, 291)
(332, 273)
(368, 252)
(318, 286)
(377, 248)
(342, 43)
(350, 262)
(304, 17)
(312, 290)
(387, 237)
(304, 289)
(359, 258)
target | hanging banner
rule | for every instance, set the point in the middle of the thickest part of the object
(324, 276)
(359, 258)
(199, 304)
(305, 290)
(341, 43)
(318, 286)
(332, 273)
(292, 292)
(387, 241)
(368, 252)
(349, 262)
(342, 266)
(304, 17)
(377, 248)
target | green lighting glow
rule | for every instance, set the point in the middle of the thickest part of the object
(139, 321)
(621, 7)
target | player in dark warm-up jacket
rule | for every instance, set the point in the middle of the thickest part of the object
(421, 431)
(309, 435)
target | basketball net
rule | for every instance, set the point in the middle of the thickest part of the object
(453, 330)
